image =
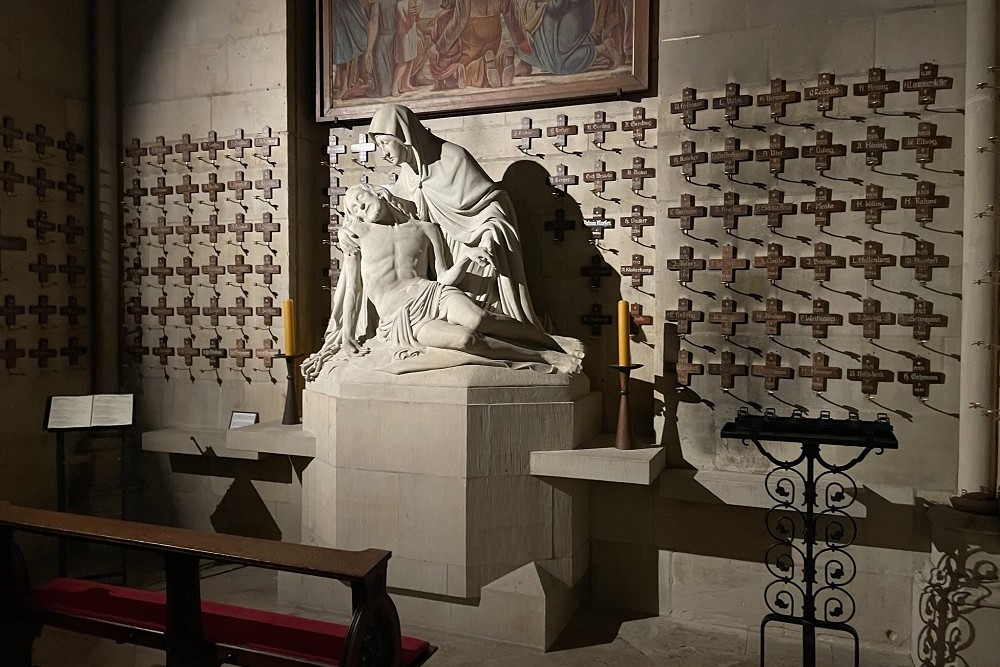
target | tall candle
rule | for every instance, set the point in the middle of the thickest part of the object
(624, 353)
(289, 312)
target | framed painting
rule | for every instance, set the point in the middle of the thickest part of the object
(439, 56)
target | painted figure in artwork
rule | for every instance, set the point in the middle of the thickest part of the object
(389, 258)
(443, 184)
(349, 39)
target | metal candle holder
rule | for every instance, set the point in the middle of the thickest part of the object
(623, 436)
(291, 415)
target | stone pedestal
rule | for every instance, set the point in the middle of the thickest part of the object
(434, 466)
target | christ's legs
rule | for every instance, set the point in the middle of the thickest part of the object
(465, 312)
(441, 334)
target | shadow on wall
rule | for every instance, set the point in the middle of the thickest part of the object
(557, 247)
(960, 590)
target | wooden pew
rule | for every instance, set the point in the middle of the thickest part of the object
(196, 633)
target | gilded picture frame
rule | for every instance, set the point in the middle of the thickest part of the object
(438, 56)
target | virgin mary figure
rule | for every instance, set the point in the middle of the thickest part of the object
(448, 187)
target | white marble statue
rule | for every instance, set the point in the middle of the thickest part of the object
(389, 258)
(445, 185)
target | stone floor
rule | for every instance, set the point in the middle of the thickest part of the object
(591, 639)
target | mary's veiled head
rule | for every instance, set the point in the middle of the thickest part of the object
(398, 121)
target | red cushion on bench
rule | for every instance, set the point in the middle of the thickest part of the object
(253, 629)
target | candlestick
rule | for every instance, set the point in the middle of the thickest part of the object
(624, 352)
(289, 312)
(623, 434)
(291, 415)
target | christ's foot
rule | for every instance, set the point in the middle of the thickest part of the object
(571, 346)
(562, 362)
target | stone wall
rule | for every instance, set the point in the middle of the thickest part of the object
(44, 75)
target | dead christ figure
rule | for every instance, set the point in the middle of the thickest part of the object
(387, 260)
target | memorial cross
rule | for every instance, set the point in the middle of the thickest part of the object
(187, 230)
(334, 150)
(772, 371)
(160, 150)
(563, 179)
(135, 152)
(240, 227)
(41, 140)
(188, 271)
(136, 192)
(71, 187)
(187, 188)
(239, 185)
(774, 261)
(728, 370)
(636, 316)
(214, 311)
(213, 270)
(11, 310)
(70, 146)
(10, 177)
(213, 187)
(689, 106)
(43, 353)
(267, 353)
(268, 184)
(596, 270)
(9, 133)
(239, 268)
(40, 223)
(637, 221)
(43, 309)
(924, 261)
(820, 371)
(596, 319)
(923, 319)
(268, 311)
(823, 206)
(162, 230)
(73, 350)
(186, 147)
(189, 352)
(824, 150)
(684, 316)
(638, 270)
(188, 311)
(822, 262)
(773, 316)
(778, 98)
(42, 268)
(599, 176)
(267, 227)
(821, 319)
(526, 133)
(161, 270)
(11, 353)
(561, 131)
(924, 202)
(688, 160)
(921, 377)
(870, 375)
(163, 351)
(727, 318)
(162, 311)
(598, 224)
(876, 88)
(599, 128)
(639, 124)
(927, 84)
(732, 102)
(732, 156)
(776, 154)
(826, 91)
(72, 311)
(874, 145)
(684, 368)
(926, 142)
(559, 226)
(240, 353)
(241, 311)
(687, 212)
(265, 142)
(872, 261)
(873, 203)
(775, 209)
(239, 143)
(363, 148)
(41, 182)
(728, 264)
(871, 318)
(686, 264)
(213, 228)
(213, 145)
(268, 269)
(70, 229)
(730, 211)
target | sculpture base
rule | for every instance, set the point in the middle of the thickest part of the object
(435, 467)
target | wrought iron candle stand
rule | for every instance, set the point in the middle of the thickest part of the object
(818, 599)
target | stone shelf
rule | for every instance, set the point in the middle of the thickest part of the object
(272, 438)
(599, 461)
(179, 441)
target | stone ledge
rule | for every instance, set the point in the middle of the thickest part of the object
(181, 441)
(272, 438)
(602, 463)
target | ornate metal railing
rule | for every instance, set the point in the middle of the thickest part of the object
(809, 521)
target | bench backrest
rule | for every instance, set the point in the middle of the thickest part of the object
(349, 566)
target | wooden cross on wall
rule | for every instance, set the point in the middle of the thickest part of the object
(870, 375)
(772, 371)
(684, 315)
(685, 368)
(687, 212)
(728, 370)
(872, 319)
(820, 371)
(686, 265)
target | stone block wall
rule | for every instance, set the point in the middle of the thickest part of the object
(46, 338)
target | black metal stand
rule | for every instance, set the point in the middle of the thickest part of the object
(291, 415)
(818, 598)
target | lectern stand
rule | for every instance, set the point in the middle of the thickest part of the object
(816, 598)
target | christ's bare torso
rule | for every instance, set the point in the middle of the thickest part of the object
(394, 258)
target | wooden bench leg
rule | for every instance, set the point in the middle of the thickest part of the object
(374, 637)
(17, 628)
(186, 646)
